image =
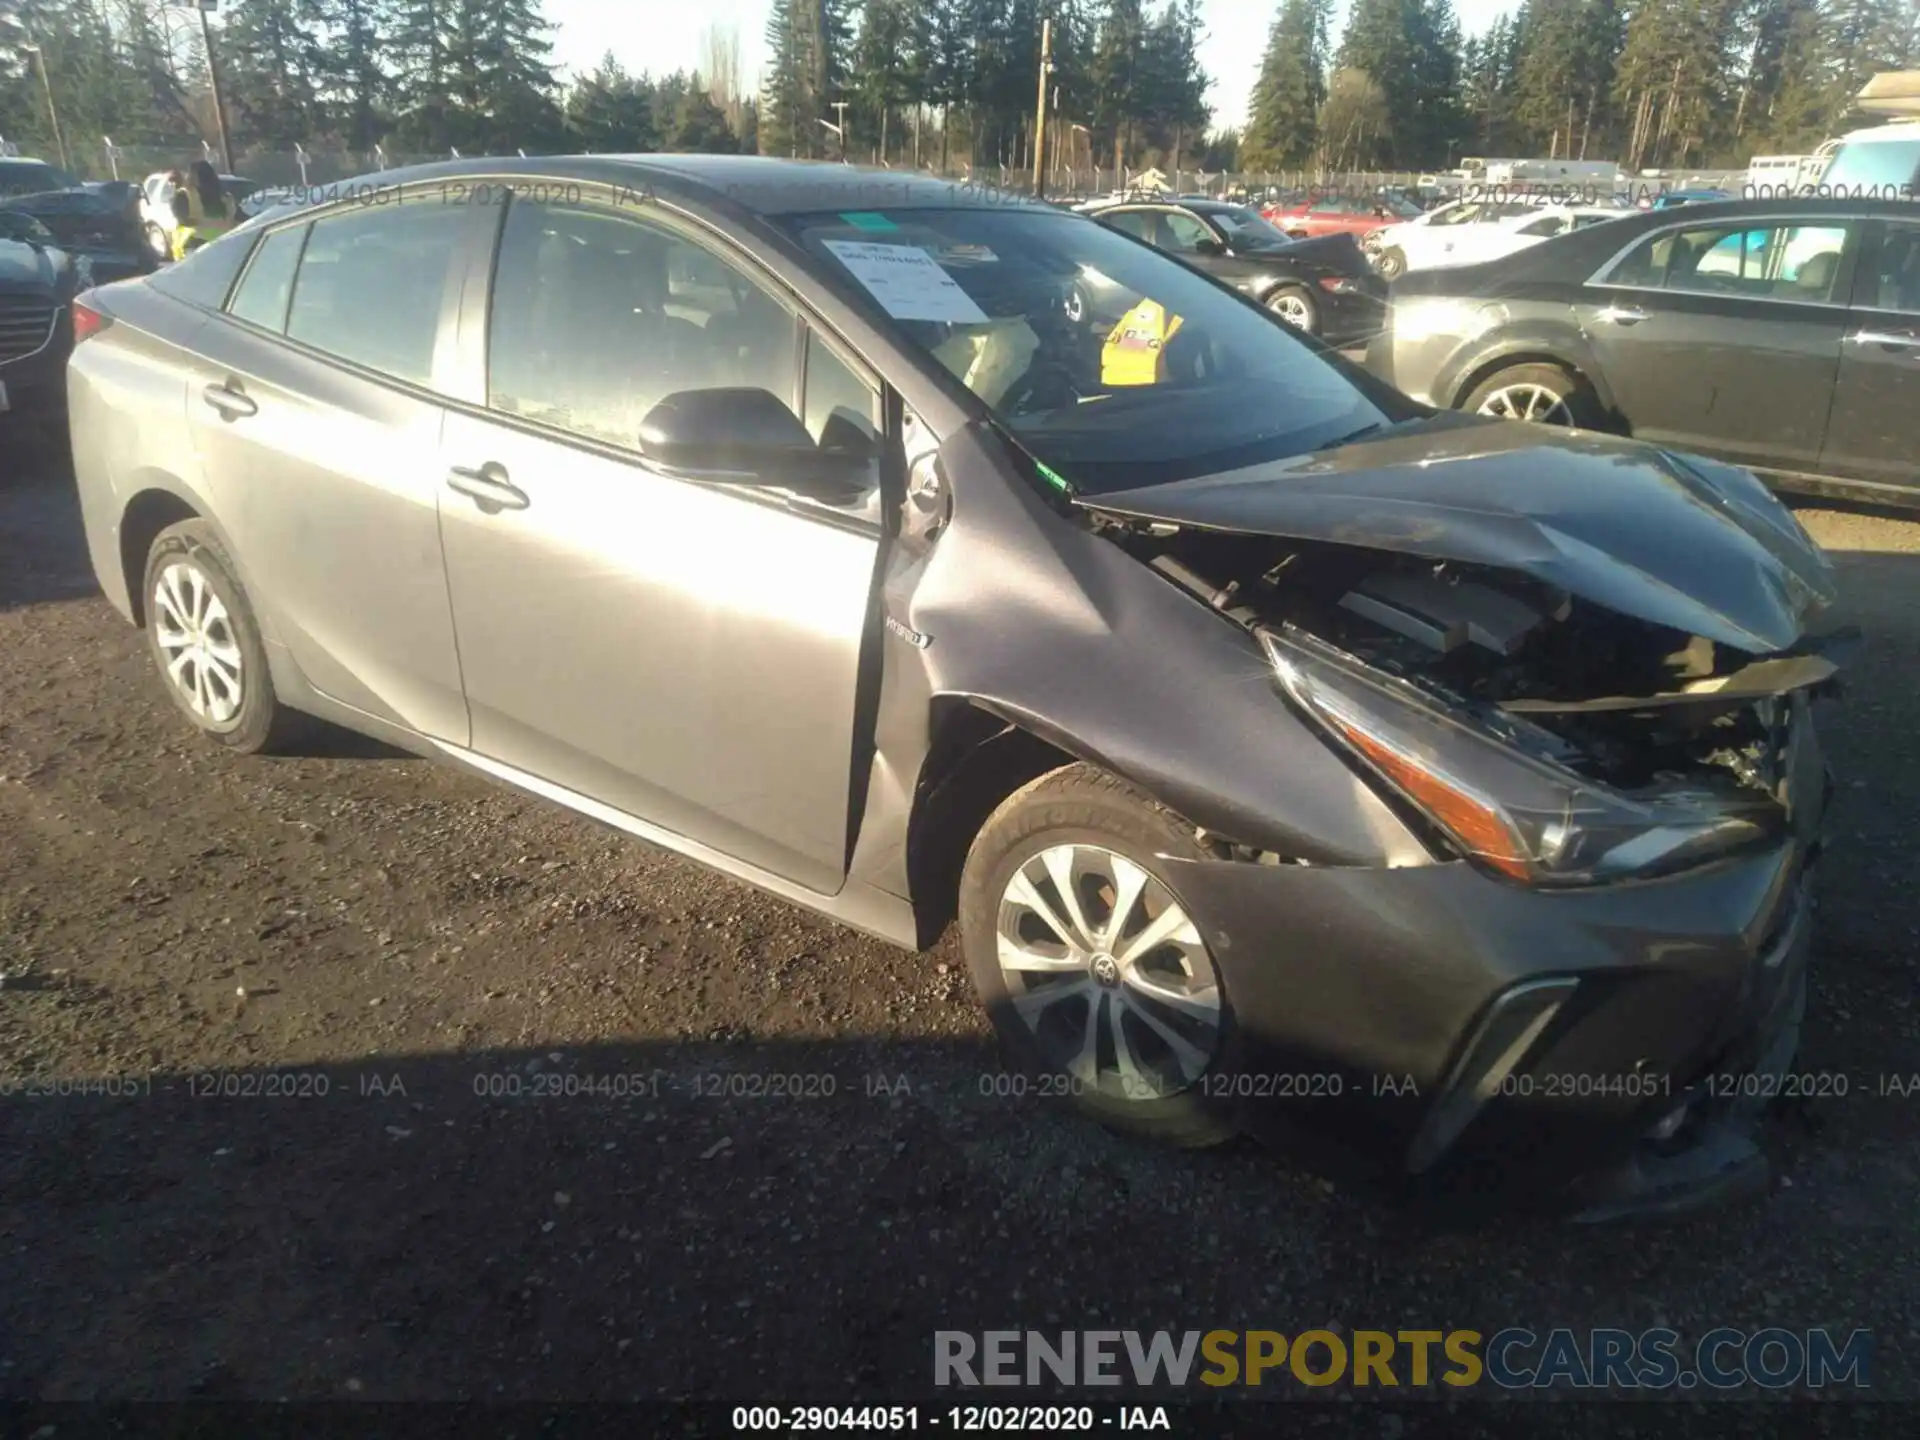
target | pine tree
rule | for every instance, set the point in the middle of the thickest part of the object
(271, 65)
(609, 112)
(701, 125)
(1284, 115)
(355, 87)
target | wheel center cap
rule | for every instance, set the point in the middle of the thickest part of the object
(1106, 970)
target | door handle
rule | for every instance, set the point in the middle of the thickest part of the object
(229, 401)
(488, 487)
(1621, 315)
(1892, 339)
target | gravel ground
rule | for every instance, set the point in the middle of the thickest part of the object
(454, 1218)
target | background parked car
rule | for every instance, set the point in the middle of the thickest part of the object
(1325, 214)
(38, 281)
(1323, 286)
(1782, 335)
(1422, 247)
(88, 221)
(156, 208)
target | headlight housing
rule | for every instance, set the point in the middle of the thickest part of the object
(1500, 789)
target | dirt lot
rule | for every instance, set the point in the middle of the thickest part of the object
(430, 951)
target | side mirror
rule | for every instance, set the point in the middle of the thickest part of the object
(742, 436)
(1209, 246)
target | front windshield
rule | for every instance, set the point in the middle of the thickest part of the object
(1112, 364)
(1250, 229)
(1874, 167)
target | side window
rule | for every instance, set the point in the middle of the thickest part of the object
(1645, 264)
(268, 284)
(1549, 225)
(1779, 262)
(370, 283)
(597, 317)
(1187, 233)
(1893, 282)
(1137, 223)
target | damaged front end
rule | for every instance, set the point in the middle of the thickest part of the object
(1577, 693)
(1569, 717)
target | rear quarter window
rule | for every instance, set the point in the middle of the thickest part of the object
(205, 276)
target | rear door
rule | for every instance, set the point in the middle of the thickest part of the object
(1725, 337)
(314, 411)
(687, 653)
(1874, 433)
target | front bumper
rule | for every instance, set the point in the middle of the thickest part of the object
(1436, 1028)
(36, 383)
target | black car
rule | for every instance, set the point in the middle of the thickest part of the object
(38, 281)
(1322, 286)
(98, 222)
(1782, 335)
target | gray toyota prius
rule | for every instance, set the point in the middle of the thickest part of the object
(1437, 795)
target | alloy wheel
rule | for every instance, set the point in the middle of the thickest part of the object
(196, 635)
(1109, 972)
(1294, 310)
(1528, 402)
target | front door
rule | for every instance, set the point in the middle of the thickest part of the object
(1725, 338)
(1875, 430)
(686, 653)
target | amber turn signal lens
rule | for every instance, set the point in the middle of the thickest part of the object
(1474, 823)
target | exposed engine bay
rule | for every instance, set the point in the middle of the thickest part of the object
(1623, 701)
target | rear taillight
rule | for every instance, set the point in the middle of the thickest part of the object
(88, 322)
(1339, 284)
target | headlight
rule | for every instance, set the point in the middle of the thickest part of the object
(1496, 788)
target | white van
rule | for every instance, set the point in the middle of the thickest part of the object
(1882, 161)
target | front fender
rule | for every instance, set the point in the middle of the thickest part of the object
(1029, 615)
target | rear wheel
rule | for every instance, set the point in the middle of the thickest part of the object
(1392, 263)
(1099, 979)
(206, 643)
(1295, 305)
(1544, 394)
(158, 242)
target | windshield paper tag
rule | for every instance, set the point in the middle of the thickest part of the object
(867, 220)
(907, 282)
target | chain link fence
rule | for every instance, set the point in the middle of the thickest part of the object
(102, 158)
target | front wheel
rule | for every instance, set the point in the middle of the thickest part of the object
(1098, 977)
(1295, 305)
(1544, 394)
(158, 242)
(1392, 263)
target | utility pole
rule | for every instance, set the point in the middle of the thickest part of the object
(59, 140)
(213, 82)
(1040, 112)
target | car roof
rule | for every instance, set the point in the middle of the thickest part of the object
(1898, 130)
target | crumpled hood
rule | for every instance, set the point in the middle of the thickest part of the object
(1690, 543)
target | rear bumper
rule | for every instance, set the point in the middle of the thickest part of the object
(1353, 318)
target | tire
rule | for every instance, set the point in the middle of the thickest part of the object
(228, 659)
(1553, 394)
(1392, 263)
(158, 242)
(1296, 306)
(1085, 814)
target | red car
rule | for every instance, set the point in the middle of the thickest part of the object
(1355, 214)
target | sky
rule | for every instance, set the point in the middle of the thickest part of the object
(665, 35)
